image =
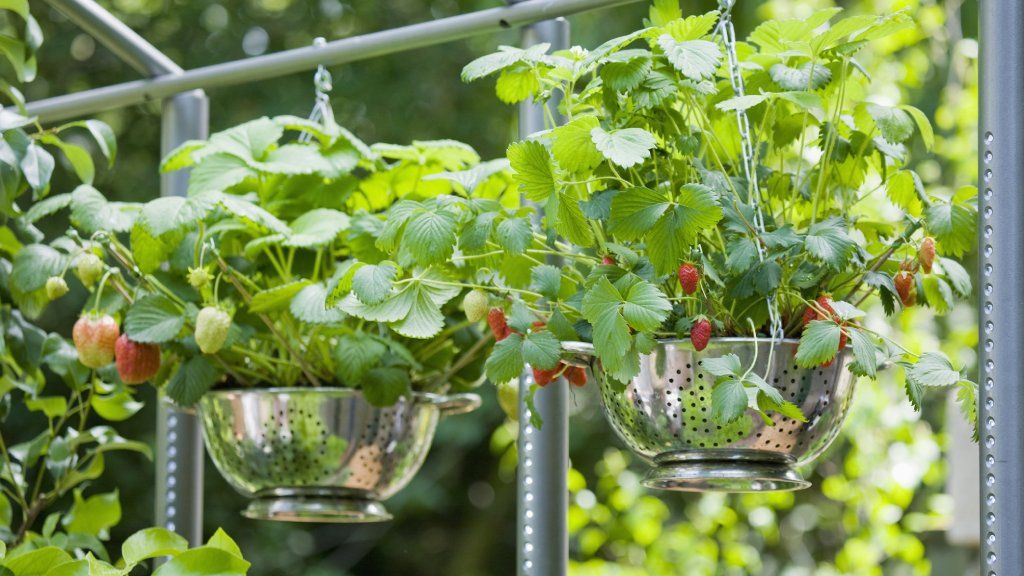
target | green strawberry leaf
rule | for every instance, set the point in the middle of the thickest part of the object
(191, 380)
(542, 350)
(506, 361)
(818, 344)
(626, 147)
(933, 369)
(729, 400)
(383, 386)
(153, 318)
(531, 164)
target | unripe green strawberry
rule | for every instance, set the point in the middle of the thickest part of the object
(926, 254)
(88, 268)
(56, 287)
(689, 278)
(475, 305)
(94, 337)
(700, 334)
(198, 277)
(212, 325)
(508, 399)
(136, 362)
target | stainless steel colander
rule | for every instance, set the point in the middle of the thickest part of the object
(664, 415)
(320, 454)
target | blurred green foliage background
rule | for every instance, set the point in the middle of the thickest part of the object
(878, 505)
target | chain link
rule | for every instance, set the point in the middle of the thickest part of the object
(728, 33)
(322, 85)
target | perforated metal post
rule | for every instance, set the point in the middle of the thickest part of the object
(179, 438)
(543, 498)
(1001, 246)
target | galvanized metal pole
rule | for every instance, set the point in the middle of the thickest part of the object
(301, 59)
(543, 497)
(1001, 245)
(179, 454)
(124, 42)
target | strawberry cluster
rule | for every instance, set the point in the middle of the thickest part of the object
(99, 342)
(576, 375)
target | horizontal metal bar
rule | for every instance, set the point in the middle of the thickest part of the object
(124, 42)
(301, 59)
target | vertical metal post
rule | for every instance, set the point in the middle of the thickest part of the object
(543, 497)
(179, 454)
(1001, 246)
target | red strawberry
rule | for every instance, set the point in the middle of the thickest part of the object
(94, 336)
(825, 303)
(608, 260)
(689, 278)
(926, 254)
(136, 362)
(499, 326)
(576, 375)
(809, 315)
(700, 334)
(906, 287)
(545, 377)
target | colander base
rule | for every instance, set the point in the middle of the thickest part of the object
(730, 471)
(316, 507)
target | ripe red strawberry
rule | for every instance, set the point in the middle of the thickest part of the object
(576, 375)
(825, 304)
(136, 362)
(499, 326)
(689, 278)
(926, 254)
(700, 334)
(608, 260)
(212, 326)
(906, 287)
(809, 315)
(545, 377)
(94, 337)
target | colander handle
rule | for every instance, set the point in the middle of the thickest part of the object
(580, 353)
(458, 404)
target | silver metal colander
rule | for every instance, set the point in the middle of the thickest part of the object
(320, 454)
(664, 415)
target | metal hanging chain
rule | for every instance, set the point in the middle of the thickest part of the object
(728, 33)
(322, 84)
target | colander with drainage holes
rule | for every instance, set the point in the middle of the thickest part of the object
(664, 415)
(320, 454)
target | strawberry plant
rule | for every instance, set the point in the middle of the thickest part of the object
(273, 271)
(661, 234)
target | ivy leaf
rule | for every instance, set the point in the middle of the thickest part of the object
(506, 360)
(532, 166)
(818, 344)
(383, 386)
(316, 228)
(372, 282)
(695, 59)
(627, 147)
(572, 146)
(192, 379)
(430, 236)
(953, 225)
(729, 400)
(154, 318)
(933, 369)
(828, 242)
(310, 305)
(894, 124)
(542, 350)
